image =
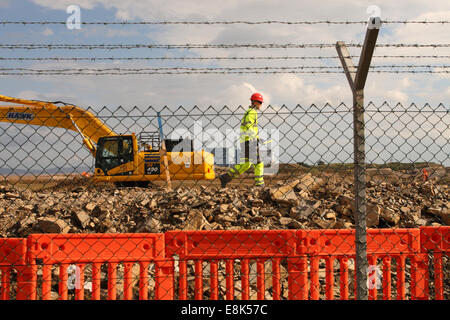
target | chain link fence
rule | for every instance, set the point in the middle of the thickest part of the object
(107, 223)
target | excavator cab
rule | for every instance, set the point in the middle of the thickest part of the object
(128, 160)
(112, 152)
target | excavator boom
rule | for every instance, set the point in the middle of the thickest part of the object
(48, 114)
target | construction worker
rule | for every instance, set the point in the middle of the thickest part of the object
(425, 175)
(249, 143)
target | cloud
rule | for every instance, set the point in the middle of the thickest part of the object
(397, 95)
(405, 83)
(154, 9)
(63, 4)
(44, 96)
(278, 88)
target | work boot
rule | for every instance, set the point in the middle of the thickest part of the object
(224, 179)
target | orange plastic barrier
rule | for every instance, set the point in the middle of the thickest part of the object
(12, 257)
(230, 245)
(309, 261)
(437, 241)
(95, 250)
(382, 244)
(304, 250)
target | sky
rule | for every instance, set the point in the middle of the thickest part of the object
(202, 91)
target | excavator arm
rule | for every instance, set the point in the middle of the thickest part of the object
(48, 114)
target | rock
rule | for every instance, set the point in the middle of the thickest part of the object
(330, 214)
(309, 183)
(90, 206)
(285, 195)
(405, 210)
(105, 225)
(285, 221)
(442, 213)
(257, 219)
(389, 215)
(83, 218)
(295, 224)
(223, 208)
(345, 200)
(211, 226)
(27, 207)
(342, 224)
(269, 213)
(153, 204)
(53, 225)
(420, 222)
(111, 230)
(11, 195)
(195, 221)
(150, 225)
(445, 217)
(434, 211)
(145, 202)
(54, 295)
(304, 210)
(323, 223)
(334, 191)
(344, 210)
(257, 203)
(428, 189)
(297, 213)
(221, 218)
(372, 215)
(29, 220)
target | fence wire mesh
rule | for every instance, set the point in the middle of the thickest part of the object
(107, 224)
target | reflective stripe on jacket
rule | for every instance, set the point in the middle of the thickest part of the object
(249, 125)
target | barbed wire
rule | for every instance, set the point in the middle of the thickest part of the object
(213, 68)
(158, 46)
(215, 58)
(210, 46)
(223, 22)
(213, 72)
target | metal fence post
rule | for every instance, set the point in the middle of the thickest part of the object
(357, 79)
(360, 197)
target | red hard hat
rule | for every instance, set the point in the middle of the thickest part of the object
(257, 97)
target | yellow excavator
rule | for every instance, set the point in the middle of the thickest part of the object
(126, 160)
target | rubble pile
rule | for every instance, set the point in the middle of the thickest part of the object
(305, 201)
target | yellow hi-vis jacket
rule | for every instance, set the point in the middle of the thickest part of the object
(249, 125)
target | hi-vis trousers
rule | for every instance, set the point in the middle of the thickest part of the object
(249, 156)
